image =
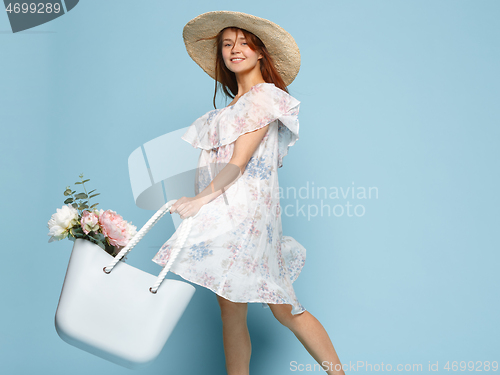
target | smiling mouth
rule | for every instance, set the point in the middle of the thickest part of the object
(236, 59)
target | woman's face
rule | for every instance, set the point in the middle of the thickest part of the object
(237, 55)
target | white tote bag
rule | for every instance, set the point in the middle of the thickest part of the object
(116, 311)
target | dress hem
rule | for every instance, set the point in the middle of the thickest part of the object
(209, 288)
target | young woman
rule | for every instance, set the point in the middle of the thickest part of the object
(236, 247)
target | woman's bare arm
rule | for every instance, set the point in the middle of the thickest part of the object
(244, 148)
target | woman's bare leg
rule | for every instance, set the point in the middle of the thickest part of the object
(235, 336)
(312, 335)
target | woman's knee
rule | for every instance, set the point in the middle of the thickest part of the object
(283, 313)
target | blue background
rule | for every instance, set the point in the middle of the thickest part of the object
(398, 95)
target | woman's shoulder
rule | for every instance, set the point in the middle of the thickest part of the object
(266, 99)
(262, 98)
(268, 90)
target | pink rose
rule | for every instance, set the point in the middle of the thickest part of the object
(114, 227)
(89, 222)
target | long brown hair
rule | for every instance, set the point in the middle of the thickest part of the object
(225, 79)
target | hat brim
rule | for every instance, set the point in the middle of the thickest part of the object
(279, 42)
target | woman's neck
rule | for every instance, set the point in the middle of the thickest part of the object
(248, 80)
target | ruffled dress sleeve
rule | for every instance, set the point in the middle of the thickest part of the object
(263, 104)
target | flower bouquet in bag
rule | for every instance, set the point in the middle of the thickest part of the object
(77, 219)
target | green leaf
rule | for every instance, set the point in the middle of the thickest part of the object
(94, 195)
(73, 192)
(78, 183)
(67, 192)
(84, 181)
(77, 232)
(81, 196)
(69, 200)
(75, 205)
(91, 191)
(97, 238)
(95, 204)
(83, 206)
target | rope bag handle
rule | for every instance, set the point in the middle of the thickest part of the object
(183, 234)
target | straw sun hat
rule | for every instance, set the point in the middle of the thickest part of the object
(279, 43)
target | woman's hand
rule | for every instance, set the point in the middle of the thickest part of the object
(186, 206)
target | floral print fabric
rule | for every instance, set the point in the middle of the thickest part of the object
(236, 247)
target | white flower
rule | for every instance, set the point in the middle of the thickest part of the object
(61, 222)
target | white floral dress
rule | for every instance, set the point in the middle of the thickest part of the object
(235, 247)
